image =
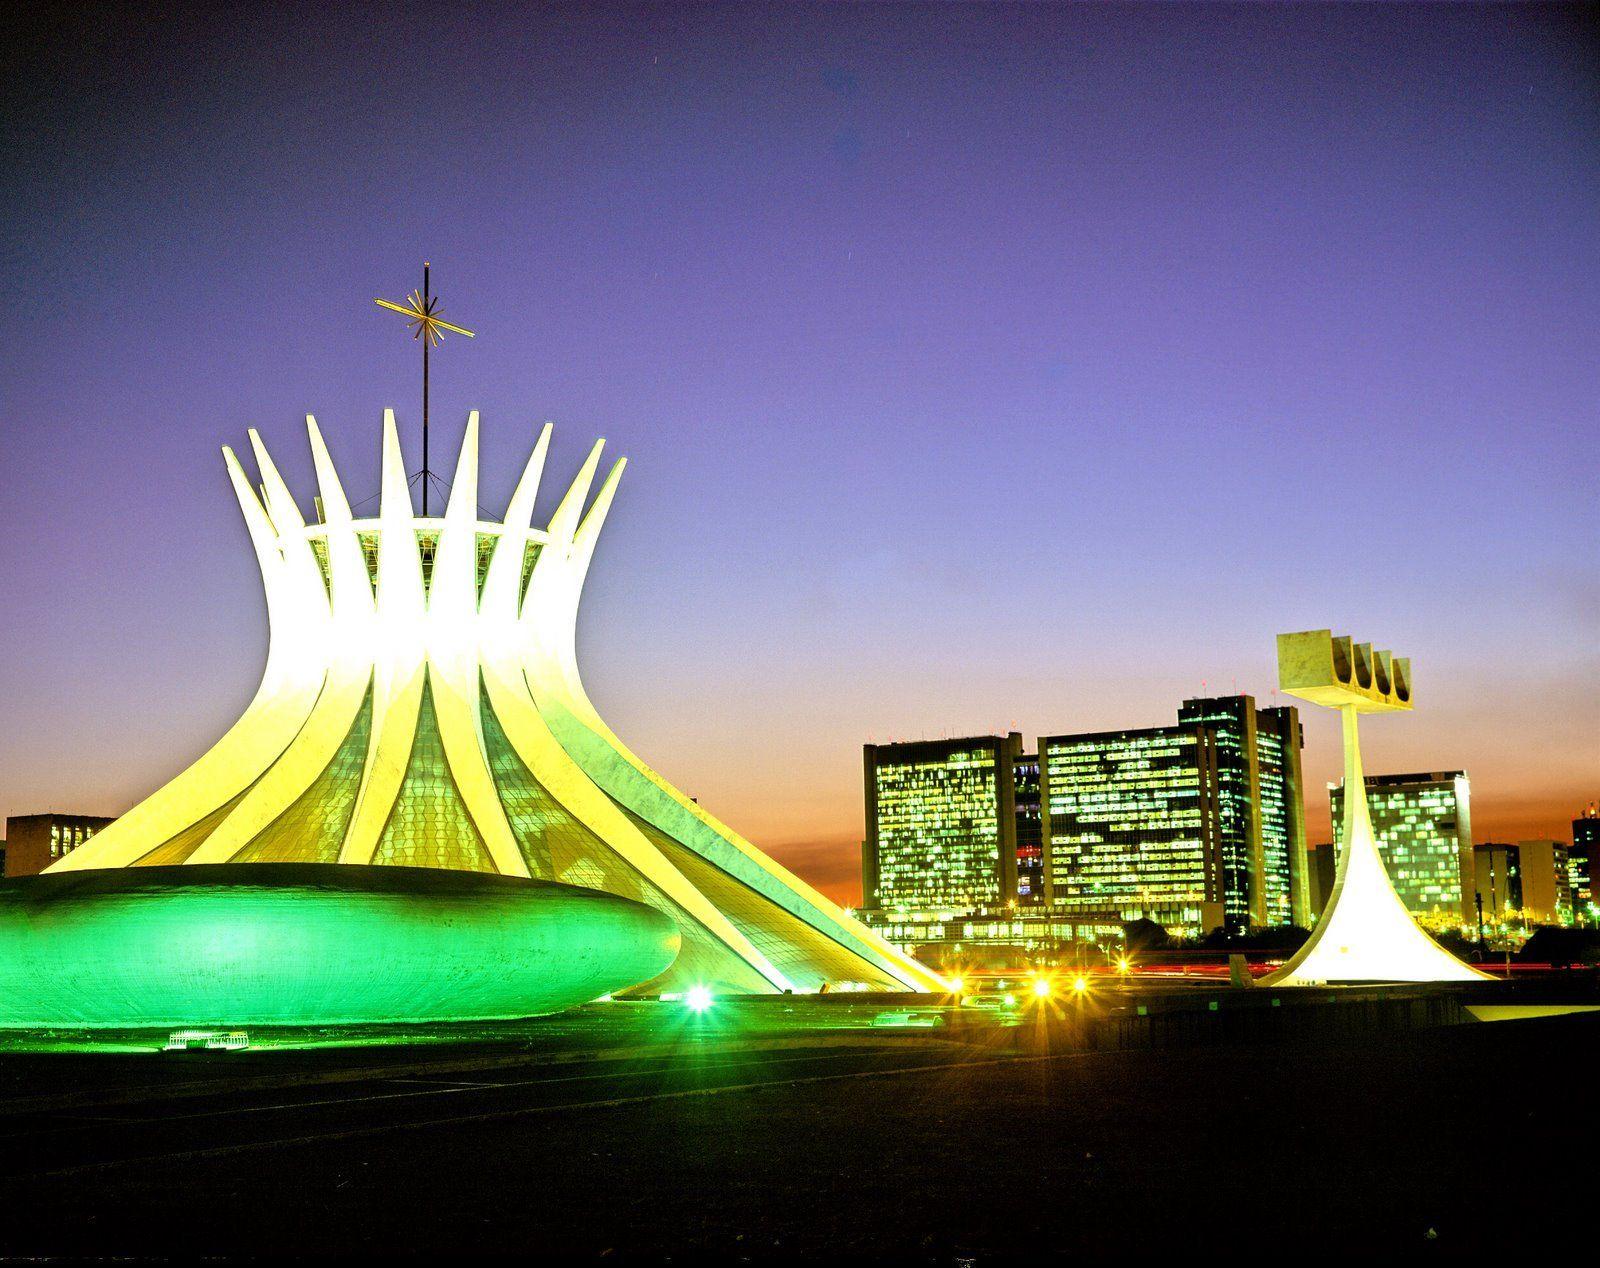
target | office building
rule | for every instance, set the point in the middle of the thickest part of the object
(1194, 826)
(1030, 832)
(1132, 826)
(34, 842)
(1546, 881)
(1528, 882)
(1260, 808)
(1423, 825)
(997, 937)
(1497, 871)
(1584, 865)
(1322, 869)
(941, 826)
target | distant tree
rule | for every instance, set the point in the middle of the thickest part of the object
(1267, 938)
(1144, 935)
(1279, 938)
(1551, 944)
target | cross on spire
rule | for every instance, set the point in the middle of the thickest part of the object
(421, 311)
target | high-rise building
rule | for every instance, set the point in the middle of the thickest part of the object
(34, 842)
(1584, 865)
(1132, 827)
(1030, 831)
(1282, 799)
(1546, 882)
(1497, 870)
(1261, 808)
(1322, 868)
(1528, 881)
(1423, 825)
(1194, 825)
(941, 825)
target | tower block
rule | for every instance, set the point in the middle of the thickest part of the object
(1365, 933)
(421, 707)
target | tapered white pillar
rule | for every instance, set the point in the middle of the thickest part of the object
(1365, 933)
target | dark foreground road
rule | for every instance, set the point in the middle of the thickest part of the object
(1457, 1143)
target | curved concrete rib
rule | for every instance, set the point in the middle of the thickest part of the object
(345, 630)
(283, 701)
(558, 689)
(398, 656)
(453, 660)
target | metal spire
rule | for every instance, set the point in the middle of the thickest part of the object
(421, 311)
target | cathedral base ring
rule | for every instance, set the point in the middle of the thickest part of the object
(283, 944)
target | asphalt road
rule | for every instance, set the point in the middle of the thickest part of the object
(1459, 1142)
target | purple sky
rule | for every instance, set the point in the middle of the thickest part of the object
(978, 368)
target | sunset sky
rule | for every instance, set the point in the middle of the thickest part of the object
(978, 369)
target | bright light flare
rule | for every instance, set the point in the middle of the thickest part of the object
(698, 998)
(1041, 988)
(1080, 984)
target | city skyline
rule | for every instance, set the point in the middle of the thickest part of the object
(976, 375)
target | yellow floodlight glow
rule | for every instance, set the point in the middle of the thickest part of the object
(958, 986)
(421, 705)
(1080, 984)
(1124, 965)
(1041, 988)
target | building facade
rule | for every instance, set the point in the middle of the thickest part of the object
(1132, 826)
(1497, 872)
(1527, 882)
(941, 826)
(1030, 832)
(1423, 825)
(1261, 808)
(1007, 936)
(1321, 872)
(1546, 881)
(1194, 826)
(34, 842)
(1584, 866)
